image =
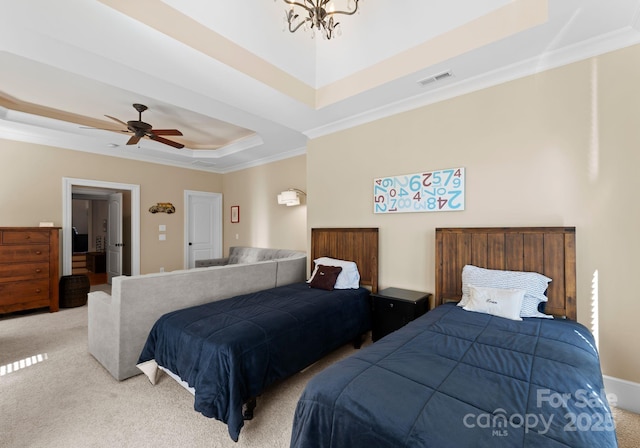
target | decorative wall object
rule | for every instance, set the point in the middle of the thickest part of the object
(235, 214)
(99, 244)
(163, 207)
(427, 191)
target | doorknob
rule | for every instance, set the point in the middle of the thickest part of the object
(190, 244)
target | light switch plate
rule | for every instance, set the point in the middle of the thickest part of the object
(162, 237)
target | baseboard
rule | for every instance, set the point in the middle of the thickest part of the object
(626, 393)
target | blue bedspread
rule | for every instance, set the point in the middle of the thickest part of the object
(455, 378)
(230, 350)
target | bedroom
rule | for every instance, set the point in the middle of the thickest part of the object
(556, 148)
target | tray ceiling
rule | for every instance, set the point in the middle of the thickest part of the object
(243, 92)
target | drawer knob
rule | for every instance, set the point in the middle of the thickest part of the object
(38, 290)
(38, 271)
(391, 305)
(27, 237)
(38, 252)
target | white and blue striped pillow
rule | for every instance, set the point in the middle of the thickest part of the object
(534, 285)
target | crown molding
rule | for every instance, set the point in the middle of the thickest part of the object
(584, 50)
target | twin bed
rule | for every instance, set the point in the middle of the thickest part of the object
(230, 350)
(459, 378)
(452, 377)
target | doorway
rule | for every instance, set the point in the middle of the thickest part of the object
(89, 233)
(202, 226)
(133, 233)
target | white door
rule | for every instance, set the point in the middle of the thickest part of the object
(114, 236)
(203, 226)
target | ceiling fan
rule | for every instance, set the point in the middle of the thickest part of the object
(140, 129)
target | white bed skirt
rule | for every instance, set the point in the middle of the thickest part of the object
(152, 370)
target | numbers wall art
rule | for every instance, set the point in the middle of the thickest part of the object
(427, 191)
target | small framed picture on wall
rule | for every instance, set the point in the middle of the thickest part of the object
(235, 213)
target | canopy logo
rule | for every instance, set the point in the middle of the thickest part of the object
(590, 413)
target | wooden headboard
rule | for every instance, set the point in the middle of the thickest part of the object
(551, 251)
(353, 244)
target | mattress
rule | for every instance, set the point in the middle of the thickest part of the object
(456, 378)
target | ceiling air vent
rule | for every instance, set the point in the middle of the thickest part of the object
(439, 77)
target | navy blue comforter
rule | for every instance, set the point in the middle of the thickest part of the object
(230, 350)
(455, 378)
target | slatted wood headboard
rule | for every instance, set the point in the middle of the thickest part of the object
(352, 244)
(550, 251)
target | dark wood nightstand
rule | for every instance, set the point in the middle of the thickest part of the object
(392, 308)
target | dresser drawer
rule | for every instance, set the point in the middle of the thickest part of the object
(24, 271)
(24, 237)
(24, 292)
(22, 253)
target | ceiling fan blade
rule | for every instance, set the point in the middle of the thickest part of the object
(166, 141)
(115, 119)
(105, 129)
(166, 132)
(133, 140)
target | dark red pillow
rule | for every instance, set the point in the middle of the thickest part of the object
(325, 277)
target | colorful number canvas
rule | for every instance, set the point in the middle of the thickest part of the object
(427, 191)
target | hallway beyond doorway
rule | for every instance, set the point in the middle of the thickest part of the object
(79, 266)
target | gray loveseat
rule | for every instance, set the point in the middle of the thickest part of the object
(119, 323)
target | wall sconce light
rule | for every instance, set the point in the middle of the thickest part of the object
(290, 197)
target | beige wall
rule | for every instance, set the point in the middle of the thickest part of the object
(559, 148)
(31, 192)
(264, 223)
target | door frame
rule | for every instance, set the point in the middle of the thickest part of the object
(109, 247)
(216, 198)
(67, 205)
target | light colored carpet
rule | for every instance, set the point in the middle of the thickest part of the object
(627, 428)
(67, 399)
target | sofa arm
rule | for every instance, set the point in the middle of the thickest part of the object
(212, 262)
(103, 328)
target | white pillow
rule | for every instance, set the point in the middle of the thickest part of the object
(495, 301)
(349, 277)
(533, 283)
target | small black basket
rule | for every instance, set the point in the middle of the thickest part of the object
(74, 290)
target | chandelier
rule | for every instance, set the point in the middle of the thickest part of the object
(319, 16)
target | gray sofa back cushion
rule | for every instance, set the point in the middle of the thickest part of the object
(241, 255)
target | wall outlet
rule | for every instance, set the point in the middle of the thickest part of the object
(162, 228)
(161, 268)
(162, 237)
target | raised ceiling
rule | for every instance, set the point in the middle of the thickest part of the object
(244, 92)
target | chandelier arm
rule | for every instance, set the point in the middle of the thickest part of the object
(293, 30)
(302, 5)
(346, 13)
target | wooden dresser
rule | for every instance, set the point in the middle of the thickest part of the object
(29, 263)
